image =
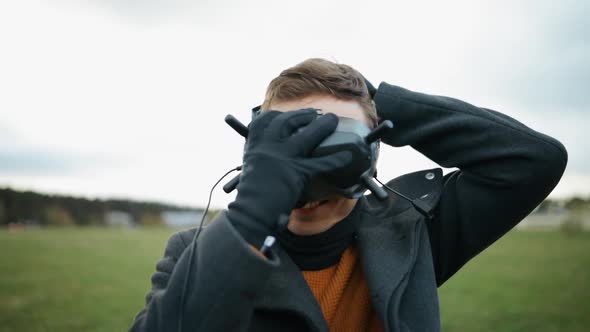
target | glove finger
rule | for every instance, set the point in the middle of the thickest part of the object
(328, 163)
(287, 123)
(262, 121)
(312, 135)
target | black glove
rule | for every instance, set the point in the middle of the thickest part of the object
(277, 167)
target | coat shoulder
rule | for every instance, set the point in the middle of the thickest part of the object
(178, 242)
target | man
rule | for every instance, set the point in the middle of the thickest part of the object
(344, 264)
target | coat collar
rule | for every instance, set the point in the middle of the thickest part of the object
(386, 249)
(387, 237)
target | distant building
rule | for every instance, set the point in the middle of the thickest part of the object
(182, 218)
(554, 218)
(15, 226)
(118, 218)
(543, 220)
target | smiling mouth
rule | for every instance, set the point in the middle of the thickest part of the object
(314, 204)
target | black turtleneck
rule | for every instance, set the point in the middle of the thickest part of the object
(319, 251)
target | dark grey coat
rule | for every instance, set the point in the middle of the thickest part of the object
(505, 170)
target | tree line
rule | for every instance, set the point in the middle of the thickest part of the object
(43, 209)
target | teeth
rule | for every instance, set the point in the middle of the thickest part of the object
(311, 205)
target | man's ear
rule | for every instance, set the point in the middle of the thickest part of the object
(255, 112)
(370, 87)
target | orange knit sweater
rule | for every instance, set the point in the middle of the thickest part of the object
(341, 290)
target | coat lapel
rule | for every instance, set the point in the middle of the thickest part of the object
(386, 246)
(288, 291)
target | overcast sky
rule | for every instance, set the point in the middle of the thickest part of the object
(126, 98)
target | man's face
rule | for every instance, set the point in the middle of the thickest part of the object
(316, 217)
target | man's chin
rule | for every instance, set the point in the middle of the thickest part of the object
(305, 225)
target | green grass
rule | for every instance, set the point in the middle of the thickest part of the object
(75, 279)
(96, 280)
(527, 281)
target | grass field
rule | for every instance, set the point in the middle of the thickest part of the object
(96, 280)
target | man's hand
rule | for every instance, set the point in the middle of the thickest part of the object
(277, 166)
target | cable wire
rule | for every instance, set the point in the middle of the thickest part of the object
(193, 246)
(422, 208)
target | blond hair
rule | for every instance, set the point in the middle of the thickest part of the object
(319, 76)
